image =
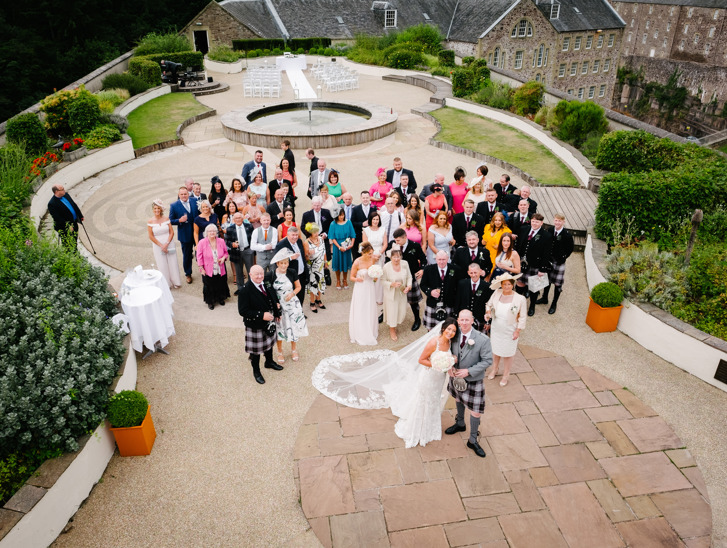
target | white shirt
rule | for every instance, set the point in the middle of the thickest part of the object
(273, 232)
(390, 222)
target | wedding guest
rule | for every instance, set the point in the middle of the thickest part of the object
(520, 218)
(363, 327)
(276, 208)
(66, 216)
(470, 253)
(197, 193)
(534, 246)
(287, 153)
(414, 256)
(559, 253)
(217, 197)
(253, 210)
(405, 189)
(428, 190)
(318, 178)
(291, 326)
(341, 235)
(299, 247)
(473, 292)
(316, 265)
(182, 214)
(311, 155)
(374, 234)
(205, 218)
(275, 184)
(288, 222)
(439, 284)
(504, 187)
(230, 210)
(347, 204)
(263, 241)
(492, 234)
(253, 167)
(394, 176)
(490, 206)
(458, 188)
(238, 236)
(391, 218)
(507, 259)
(328, 202)
(413, 202)
(360, 218)
(506, 309)
(468, 220)
(211, 255)
(476, 192)
(481, 178)
(525, 192)
(439, 237)
(290, 176)
(161, 235)
(258, 305)
(260, 189)
(414, 229)
(434, 204)
(396, 281)
(380, 189)
(335, 187)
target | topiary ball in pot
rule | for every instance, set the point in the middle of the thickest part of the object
(127, 408)
(607, 295)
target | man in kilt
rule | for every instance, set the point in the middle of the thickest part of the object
(533, 245)
(561, 249)
(472, 294)
(414, 256)
(439, 284)
(474, 356)
(259, 307)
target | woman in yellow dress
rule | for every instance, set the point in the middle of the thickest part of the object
(493, 233)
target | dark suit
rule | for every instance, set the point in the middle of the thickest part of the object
(358, 218)
(313, 164)
(412, 180)
(273, 186)
(511, 201)
(431, 279)
(404, 196)
(483, 210)
(239, 256)
(474, 302)
(463, 259)
(273, 209)
(535, 252)
(249, 169)
(202, 196)
(500, 192)
(516, 223)
(288, 155)
(562, 246)
(460, 227)
(326, 220)
(185, 230)
(294, 264)
(63, 220)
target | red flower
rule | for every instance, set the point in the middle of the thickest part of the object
(66, 146)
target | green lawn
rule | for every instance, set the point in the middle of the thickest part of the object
(723, 148)
(157, 120)
(494, 139)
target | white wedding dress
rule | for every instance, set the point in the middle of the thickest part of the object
(383, 378)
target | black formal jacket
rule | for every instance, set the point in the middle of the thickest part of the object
(474, 302)
(483, 210)
(562, 245)
(460, 227)
(62, 216)
(535, 252)
(310, 217)
(313, 165)
(273, 209)
(462, 259)
(414, 257)
(431, 279)
(404, 197)
(288, 155)
(498, 188)
(231, 238)
(511, 201)
(516, 223)
(285, 243)
(291, 274)
(252, 304)
(412, 180)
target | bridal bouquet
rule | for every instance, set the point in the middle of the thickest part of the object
(441, 361)
(375, 272)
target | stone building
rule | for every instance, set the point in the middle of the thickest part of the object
(570, 45)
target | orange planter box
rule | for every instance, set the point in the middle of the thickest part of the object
(602, 320)
(136, 440)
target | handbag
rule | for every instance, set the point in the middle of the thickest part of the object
(327, 276)
(459, 384)
(536, 283)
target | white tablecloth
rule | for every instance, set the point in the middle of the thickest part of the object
(292, 62)
(150, 319)
(150, 278)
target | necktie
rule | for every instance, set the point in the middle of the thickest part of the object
(442, 273)
(186, 206)
(530, 237)
(468, 220)
(492, 207)
(240, 237)
(265, 234)
(348, 213)
(474, 256)
(464, 340)
(262, 289)
(474, 287)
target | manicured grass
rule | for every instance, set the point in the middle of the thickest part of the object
(723, 148)
(481, 135)
(157, 120)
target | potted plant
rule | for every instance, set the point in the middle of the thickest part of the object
(605, 307)
(131, 423)
(73, 149)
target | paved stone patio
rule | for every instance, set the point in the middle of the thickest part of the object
(572, 460)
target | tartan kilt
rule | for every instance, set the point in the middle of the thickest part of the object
(473, 398)
(557, 275)
(529, 271)
(415, 294)
(429, 318)
(258, 341)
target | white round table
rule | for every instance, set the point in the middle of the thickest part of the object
(150, 320)
(149, 278)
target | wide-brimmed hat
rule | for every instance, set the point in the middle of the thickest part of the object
(281, 255)
(436, 187)
(394, 247)
(503, 278)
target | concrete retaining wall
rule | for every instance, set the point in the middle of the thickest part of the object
(223, 68)
(137, 100)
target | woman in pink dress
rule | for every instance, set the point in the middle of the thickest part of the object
(414, 229)
(380, 189)
(459, 190)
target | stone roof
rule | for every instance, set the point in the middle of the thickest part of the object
(473, 17)
(254, 14)
(577, 15)
(716, 4)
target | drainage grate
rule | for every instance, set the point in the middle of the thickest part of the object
(721, 373)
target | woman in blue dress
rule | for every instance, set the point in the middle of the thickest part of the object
(341, 236)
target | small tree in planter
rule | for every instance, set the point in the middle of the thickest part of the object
(605, 307)
(131, 423)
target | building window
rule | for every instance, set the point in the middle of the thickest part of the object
(518, 59)
(671, 10)
(591, 92)
(651, 9)
(664, 44)
(541, 53)
(716, 15)
(686, 28)
(561, 70)
(696, 39)
(606, 65)
(577, 45)
(584, 68)
(599, 42)
(681, 45)
(524, 29)
(537, 77)
(390, 19)
(545, 59)
(602, 90)
(643, 39)
(668, 26)
(656, 34)
(489, 60)
(647, 24)
(634, 8)
(630, 36)
(566, 43)
(596, 65)
(573, 69)
(690, 12)
(496, 58)
(706, 49)
(711, 32)
(632, 22)
(589, 41)
(554, 11)
(580, 93)
(570, 92)
(611, 38)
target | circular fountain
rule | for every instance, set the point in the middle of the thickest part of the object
(317, 124)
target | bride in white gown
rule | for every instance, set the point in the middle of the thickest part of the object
(404, 381)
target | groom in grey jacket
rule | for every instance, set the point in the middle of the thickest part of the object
(474, 356)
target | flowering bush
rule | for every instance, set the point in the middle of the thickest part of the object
(75, 144)
(36, 169)
(55, 108)
(102, 136)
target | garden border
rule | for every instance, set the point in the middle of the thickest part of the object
(132, 103)
(179, 141)
(223, 67)
(671, 339)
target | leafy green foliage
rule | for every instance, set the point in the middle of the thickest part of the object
(194, 59)
(133, 84)
(467, 60)
(496, 95)
(404, 59)
(527, 98)
(27, 129)
(157, 42)
(121, 123)
(580, 120)
(470, 79)
(378, 50)
(446, 58)
(223, 54)
(15, 184)
(252, 44)
(109, 99)
(607, 295)
(146, 70)
(83, 112)
(17, 467)
(102, 136)
(55, 108)
(427, 36)
(127, 408)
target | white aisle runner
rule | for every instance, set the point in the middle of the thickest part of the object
(298, 80)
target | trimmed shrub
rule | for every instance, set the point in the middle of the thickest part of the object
(404, 59)
(496, 95)
(147, 70)
(277, 51)
(102, 136)
(252, 54)
(157, 42)
(299, 51)
(133, 84)
(223, 54)
(110, 119)
(55, 108)
(607, 294)
(27, 129)
(194, 59)
(528, 98)
(466, 61)
(579, 121)
(427, 36)
(83, 112)
(329, 52)
(442, 71)
(446, 58)
(109, 99)
(127, 408)
(463, 82)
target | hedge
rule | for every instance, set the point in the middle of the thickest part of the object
(149, 71)
(446, 58)
(272, 43)
(28, 130)
(194, 59)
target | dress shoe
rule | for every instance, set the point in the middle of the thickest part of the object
(274, 366)
(259, 378)
(222, 303)
(381, 318)
(416, 325)
(455, 428)
(189, 279)
(477, 449)
(238, 292)
(211, 306)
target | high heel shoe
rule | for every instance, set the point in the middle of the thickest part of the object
(503, 382)
(492, 375)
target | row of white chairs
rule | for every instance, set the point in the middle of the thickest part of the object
(335, 77)
(258, 88)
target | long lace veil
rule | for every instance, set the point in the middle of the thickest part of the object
(363, 380)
